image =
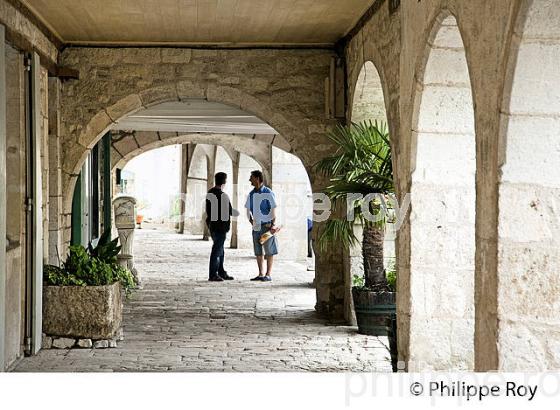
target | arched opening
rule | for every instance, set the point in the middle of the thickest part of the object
(368, 105)
(442, 219)
(153, 179)
(198, 175)
(291, 303)
(215, 150)
(529, 195)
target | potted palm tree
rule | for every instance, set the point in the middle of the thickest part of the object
(362, 165)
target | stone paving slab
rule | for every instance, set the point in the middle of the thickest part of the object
(180, 322)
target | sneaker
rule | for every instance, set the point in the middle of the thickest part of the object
(266, 278)
(258, 278)
(215, 279)
(225, 276)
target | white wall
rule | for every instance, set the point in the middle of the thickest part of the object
(156, 181)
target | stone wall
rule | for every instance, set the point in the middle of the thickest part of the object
(44, 138)
(22, 35)
(528, 285)
(55, 181)
(506, 335)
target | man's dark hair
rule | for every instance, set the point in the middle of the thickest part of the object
(220, 178)
(258, 174)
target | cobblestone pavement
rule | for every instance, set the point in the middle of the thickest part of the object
(179, 321)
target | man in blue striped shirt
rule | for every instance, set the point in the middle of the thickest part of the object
(261, 211)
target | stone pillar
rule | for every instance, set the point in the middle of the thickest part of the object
(125, 222)
(330, 283)
(210, 171)
(185, 162)
(235, 200)
(197, 186)
(45, 165)
(55, 175)
(3, 205)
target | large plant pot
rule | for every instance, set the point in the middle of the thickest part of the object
(88, 312)
(373, 309)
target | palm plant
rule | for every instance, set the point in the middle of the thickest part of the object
(361, 165)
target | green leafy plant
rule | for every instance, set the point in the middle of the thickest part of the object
(358, 281)
(106, 249)
(361, 164)
(95, 266)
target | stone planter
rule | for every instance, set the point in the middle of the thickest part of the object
(87, 312)
(373, 310)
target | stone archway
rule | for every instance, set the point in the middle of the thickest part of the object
(527, 337)
(282, 89)
(132, 144)
(442, 217)
(368, 105)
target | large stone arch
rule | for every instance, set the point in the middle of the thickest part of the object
(257, 147)
(290, 102)
(102, 122)
(284, 88)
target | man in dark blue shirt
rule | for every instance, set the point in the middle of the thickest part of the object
(261, 211)
(218, 219)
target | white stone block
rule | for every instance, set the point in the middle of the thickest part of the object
(85, 343)
(542, 20)
(101, 344)
(519, 349)
(532, 151)
(537, 79)
(529, 214)
(46, 342)
(63, 343)
(447, 67)
(446, 110)
(445, 159)
(528, 282)
(449, 37)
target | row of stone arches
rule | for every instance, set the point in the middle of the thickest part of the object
(452, 306)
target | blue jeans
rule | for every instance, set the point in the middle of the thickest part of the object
(217, 254)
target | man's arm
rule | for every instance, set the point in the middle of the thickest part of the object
(232, 212)
(208, 209)
(248, 207)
